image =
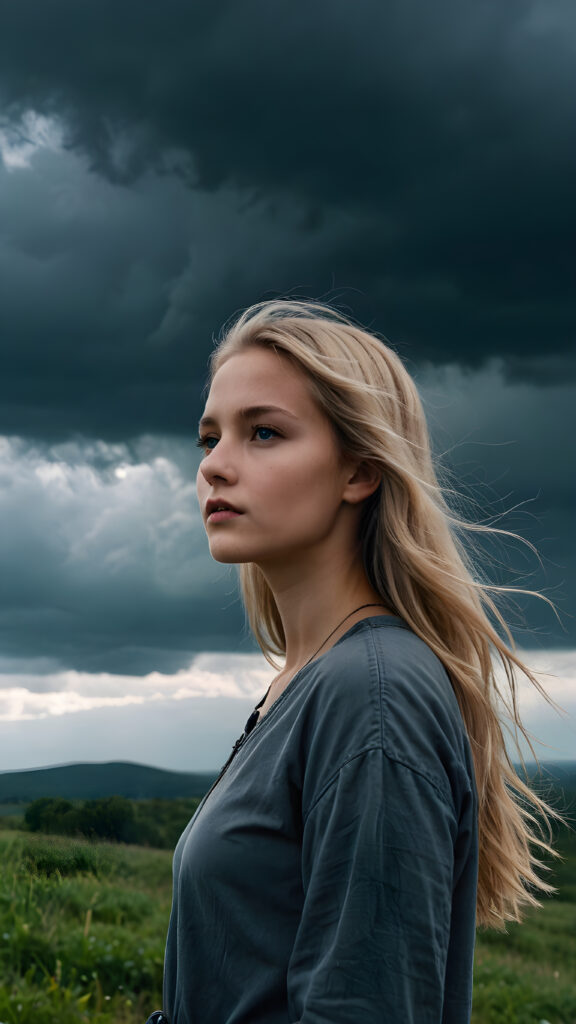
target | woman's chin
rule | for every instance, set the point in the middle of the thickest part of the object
(227, 554)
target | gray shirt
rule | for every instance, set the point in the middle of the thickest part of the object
(330, 875)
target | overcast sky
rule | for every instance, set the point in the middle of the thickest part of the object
(163, 168)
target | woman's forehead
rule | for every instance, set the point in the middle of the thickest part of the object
(259, 377)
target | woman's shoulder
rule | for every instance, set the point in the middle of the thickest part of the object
(382, 653)
(381, 686)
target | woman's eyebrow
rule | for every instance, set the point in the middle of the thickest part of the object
(248, 414)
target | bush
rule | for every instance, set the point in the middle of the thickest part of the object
(156, 823)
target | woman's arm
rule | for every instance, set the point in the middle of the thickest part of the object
(377, 930)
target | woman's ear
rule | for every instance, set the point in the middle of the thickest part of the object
(364, 480)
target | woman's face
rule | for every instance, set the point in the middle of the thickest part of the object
(279, 467)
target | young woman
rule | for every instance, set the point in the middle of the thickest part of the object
(369, 815)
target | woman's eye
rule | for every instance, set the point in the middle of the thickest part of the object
(204, 442)
(208, 444)
(266, 430)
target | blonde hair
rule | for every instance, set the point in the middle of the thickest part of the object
(416, 561)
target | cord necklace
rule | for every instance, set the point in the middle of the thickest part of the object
(256, 713)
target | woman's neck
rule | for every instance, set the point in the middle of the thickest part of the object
(312, 603)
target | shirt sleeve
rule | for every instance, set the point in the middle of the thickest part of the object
(377, 871)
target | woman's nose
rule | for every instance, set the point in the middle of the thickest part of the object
(219, 464)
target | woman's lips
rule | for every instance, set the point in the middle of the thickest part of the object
(223, 515)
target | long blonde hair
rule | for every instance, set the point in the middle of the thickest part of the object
(414, 557)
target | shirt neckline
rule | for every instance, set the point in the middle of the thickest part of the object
(388, 620)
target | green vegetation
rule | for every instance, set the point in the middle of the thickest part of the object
(527, 974)
(156, 823)
(83, 924)
(82, 929)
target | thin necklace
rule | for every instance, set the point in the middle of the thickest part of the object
(338, 627)
(255, 714)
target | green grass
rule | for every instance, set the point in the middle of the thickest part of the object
(82, 930)
(527, 974)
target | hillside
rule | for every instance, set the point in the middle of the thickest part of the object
(141, 782)
(92, 780)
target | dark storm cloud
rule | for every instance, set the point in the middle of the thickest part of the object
(110, 295)
(82, 269)
(417, 156)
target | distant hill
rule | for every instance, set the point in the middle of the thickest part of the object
(91, 781)
(141, 782)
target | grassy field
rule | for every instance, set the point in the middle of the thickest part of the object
(528, 974)
(82, 930)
